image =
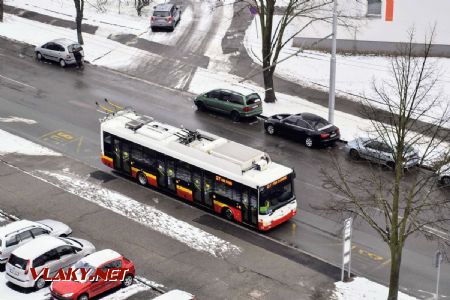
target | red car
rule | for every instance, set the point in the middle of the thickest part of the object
(91, 284)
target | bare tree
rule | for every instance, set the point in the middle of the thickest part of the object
(140, 4)
(79, 7)
(1, 10)
(396, 203)
(273, 33)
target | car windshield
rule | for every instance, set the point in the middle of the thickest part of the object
(253, 98)
(161, 14)
(88, 270)
(18, 262)
(275, 195)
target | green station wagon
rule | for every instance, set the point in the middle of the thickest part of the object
(232, 103)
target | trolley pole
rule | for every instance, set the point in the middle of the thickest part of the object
(332, 90)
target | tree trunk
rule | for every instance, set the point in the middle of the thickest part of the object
(394, 278)
(269, 94)
(79, 5)
(1, 10)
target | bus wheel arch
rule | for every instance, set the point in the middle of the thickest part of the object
(228, 213)
(141, 178)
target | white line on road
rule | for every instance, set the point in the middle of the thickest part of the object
(13, 119)
(18, 82)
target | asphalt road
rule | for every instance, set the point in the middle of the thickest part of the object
(62, 102)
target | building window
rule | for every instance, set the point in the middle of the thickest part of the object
(374, 8)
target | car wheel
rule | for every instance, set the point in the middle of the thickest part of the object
(354, 154)
(62, 63)
(228, 214)
(270, 129)
(40, 283)
(127, 281)
(235, 116)
(308, 142)
(200, 106)
(83, 297)
(445, 181)
(38, 56)
(142, 179)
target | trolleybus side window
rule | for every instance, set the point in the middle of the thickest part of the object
(170, 164)
(183, 171)
(107, 144)
(254, 206)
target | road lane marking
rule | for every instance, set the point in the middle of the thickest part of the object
(18, 82)
(14, 119)
(79, 144)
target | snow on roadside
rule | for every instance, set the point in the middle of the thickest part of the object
(355, 73)
(146, 215)
(362, 288)
(125, 293)
(14, 144)
(98, 50)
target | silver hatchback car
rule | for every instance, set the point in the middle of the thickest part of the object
(46, 251)
(165, 16)
(62, 51)
(379, 152)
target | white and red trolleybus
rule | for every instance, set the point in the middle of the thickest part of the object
(236, 181)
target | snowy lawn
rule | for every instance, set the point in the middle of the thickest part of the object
(355, 74)
(361, 288)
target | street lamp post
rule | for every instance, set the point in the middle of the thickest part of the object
(332, 91)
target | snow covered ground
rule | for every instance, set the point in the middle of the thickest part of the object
(355, 74)
(361, 288)
(14, 144)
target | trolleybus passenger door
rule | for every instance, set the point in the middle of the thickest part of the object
(126, 167)
(197, 185)
(161, 166)
(170, 163)
(208, 185)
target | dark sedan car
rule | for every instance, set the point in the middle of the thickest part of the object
(309, 128)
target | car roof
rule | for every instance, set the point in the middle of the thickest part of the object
(15, 226)
(38, 246)
(310, 116)
(100, 257)
(175, 294)
(244, 91)
(163, 7)
(64, 42)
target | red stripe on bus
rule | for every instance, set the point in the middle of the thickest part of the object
(107, 161)
(151, 179)
(184, 193)
(276, 222)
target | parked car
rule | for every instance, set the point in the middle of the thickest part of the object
(236, 104)
(165, 16)
(175, 294)
(45, 251)
(61, 51)
(15, 234)
(444, 175)
(379, 152)
(309, 128)
(84, 290)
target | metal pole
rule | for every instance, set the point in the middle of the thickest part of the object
(350, 253)
(438, 276)
(343, 254)
(331, 96)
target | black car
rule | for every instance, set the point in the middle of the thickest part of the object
(309, 128)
